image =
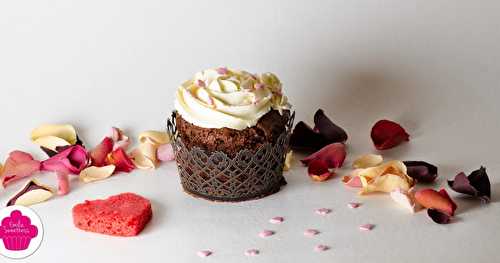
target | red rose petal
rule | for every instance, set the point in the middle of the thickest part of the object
(121, 160)
(318, 170)
(325, 132)
(388, 134)
(19, 165)
(72, 160)
(333, 154)
(100, 152)
(438, 216)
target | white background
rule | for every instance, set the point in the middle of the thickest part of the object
(431, 65)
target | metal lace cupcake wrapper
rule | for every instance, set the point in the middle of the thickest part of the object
(250, 174)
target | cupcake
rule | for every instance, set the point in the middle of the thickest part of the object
(230, 134)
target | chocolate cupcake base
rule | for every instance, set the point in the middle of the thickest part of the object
(235, 176)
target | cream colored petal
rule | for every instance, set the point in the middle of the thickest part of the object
(93, 173)
(1, 170)
(405, 199)
(34, 197)
(368, 160)
(156, 137)
(51, 142)
(64, 131)
(288, 161)
(141, 161)
(385, 178)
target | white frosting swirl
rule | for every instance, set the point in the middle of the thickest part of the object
(217, 98)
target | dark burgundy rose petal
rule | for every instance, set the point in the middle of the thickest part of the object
(388, 134)
(318, 170)
(333, 154)
(438, 216)
(48, 151)
(421, 171)
(305, 138)
(476, 184)
(329, 130)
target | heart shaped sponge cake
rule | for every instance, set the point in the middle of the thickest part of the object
(124, 214)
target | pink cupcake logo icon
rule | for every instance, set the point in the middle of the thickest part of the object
(16, 231)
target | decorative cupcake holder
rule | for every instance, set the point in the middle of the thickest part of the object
(219, 177)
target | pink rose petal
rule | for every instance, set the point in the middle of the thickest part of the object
(204, 253)
(71, 160)
(354, 182)
(63, 183)
(252, 252)
(18, 165)
(323, 211)
(366, 227)
(321, 248)
(311, 232)
(119, 138)
(266, 233)
(354, 205)
(276, 220)
(165, 153)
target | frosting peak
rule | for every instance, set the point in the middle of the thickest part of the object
(221, 97)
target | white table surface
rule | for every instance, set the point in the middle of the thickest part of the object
(433, 66)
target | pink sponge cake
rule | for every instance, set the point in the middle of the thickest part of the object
(124, 214)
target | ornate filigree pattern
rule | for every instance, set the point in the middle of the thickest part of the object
(216, 176)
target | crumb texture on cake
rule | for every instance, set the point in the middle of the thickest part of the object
(124, 214)
(231, 141)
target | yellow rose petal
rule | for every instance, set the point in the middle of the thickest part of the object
(93, 173)
(141, 161)
(368, 160)
(63, 131)
(288, 161)
(156, 137)
(386, 178)
(145, 156)
(51, 142)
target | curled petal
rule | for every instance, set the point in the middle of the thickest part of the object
(154, 137)
(165, 153)
(63, 183)
(31, 193)
(141, 161)
(388, 134)
(333, 155)
(65, 132)
(367, 160)
(51, 143)
(421, 171)
(324, 132)
(476, 184)
(93, 173)
(318, 170)
(119, 138)
(327, 128)
(100, 152)
(386, 178)
(405, 199)
(120, 159)
(18, 165)
(438, 216)
(71, 160)
(441, 201)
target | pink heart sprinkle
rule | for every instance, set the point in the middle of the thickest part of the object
(321, 248)
(354, 205)
(310, 232)
(259, 86)
(276, 220)
(366, 227)
(252, 252)
(204, 253)
(266, 233)
(200, 83)
(222, 70)
(323, 211)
